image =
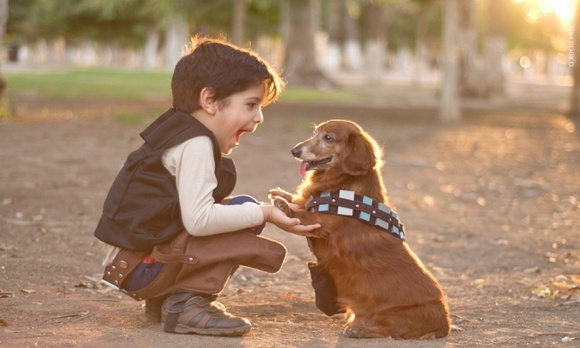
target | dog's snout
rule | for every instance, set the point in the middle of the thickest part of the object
(296, 152)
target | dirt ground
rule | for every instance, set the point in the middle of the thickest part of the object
(490, 205)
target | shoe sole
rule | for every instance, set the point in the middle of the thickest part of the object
(184, 329)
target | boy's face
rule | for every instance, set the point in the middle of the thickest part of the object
(238, 114)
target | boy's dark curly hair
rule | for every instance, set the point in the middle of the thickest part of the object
(225, 68)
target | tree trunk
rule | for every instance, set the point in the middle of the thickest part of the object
(575, 62)
(176, 37)
(300, 56)
(150, 49)
(470, 83)
(239, 22)
(449, 110)
(375, 45)
(352, 47)
(495, 47)
(333, 57)
(3, 21)
(420, 45)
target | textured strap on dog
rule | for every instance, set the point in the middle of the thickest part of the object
(367, 210)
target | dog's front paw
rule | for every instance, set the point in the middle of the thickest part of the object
(359, 332)
(282, 204)
(279, 193)
(353, 332)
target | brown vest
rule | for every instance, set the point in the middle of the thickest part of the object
(142, 208)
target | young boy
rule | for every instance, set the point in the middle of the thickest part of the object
(176, 234)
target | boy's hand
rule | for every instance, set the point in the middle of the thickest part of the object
(293, 225)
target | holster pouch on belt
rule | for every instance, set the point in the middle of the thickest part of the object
(124, 263)
(204, 264)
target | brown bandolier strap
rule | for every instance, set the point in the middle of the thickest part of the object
(367, 210)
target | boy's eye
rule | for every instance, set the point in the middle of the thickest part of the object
(328, 138)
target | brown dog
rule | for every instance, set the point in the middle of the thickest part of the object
(384, 288)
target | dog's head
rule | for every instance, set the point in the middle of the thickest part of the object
(339, 144)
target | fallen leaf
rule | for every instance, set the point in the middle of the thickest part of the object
(568, 303)
(8, 248)
(456, 328)
(542, 292)
(5, 294)
(288, 296)
(28, 291)
(71, 315)
(6, 201)
(566, 287)
(4, 322)
(532, 270)
(575, 278)
(567, 339)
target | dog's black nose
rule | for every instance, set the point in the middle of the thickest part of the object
(296, 152)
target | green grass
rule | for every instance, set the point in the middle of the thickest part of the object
(128, 85)
(301, 94)
(107, 84)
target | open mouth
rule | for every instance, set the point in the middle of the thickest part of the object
(311, 165)
(238, 136)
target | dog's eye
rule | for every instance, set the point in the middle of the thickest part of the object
(328, 138)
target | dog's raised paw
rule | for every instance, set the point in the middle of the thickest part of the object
(279, 193)
(282, 204)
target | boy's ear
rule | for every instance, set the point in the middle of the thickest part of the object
(207, 100)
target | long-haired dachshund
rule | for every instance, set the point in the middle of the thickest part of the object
(381, 284)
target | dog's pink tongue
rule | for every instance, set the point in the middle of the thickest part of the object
(302, 169)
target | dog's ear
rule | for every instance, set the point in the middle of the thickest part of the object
(360, 158)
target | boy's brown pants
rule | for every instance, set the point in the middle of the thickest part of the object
(197, 264)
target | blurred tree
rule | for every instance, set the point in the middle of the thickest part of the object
(449, 109)
(425, 19)
(351, 14)
(300, 57)
(333, 58)
(411, 21)
(495, 47)
(575, 96)
(3, 21)
(238, 22)
(375, 34)
(135, 23)
(526, 29)
(469, 82)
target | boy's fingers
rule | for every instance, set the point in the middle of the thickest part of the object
(306, 228)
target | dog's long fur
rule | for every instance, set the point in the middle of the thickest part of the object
(384, 287)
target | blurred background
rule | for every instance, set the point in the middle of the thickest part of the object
(440, 53)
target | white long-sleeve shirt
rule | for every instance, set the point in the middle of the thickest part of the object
(192, 164)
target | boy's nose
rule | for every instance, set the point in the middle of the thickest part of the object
(259, 118)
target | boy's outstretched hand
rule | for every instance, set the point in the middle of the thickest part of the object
(281, 220)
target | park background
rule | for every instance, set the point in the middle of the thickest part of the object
(474, 101)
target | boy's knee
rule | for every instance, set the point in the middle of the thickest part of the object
(241, 199)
